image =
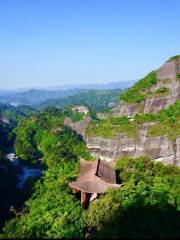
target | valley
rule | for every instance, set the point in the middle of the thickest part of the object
(134, 131)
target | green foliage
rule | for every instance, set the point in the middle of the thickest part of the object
(178, 75)
(45, 132)
(140, 90)
(25, 146)
(143, 207)
(148, 204)
(140, 119)
(101, 211)
(119, 120)
(15, 114)
(52, 211)
(169, 122)
(92, 113)
(75, 116)
(111, 127)
(162, 91)
(174, 58)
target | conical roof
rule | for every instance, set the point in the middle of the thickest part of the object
(95, 177)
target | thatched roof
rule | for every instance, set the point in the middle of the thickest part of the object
(95, 177)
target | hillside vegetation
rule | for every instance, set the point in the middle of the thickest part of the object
(140, 90)
(141, 208)
(167, 123)
(173, 58)
(14, 114)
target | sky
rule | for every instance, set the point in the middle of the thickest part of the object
(58, 42)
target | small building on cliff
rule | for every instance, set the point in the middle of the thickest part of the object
(13, 158)
(95, 178)
(80, 109)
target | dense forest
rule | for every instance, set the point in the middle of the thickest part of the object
(148, 204)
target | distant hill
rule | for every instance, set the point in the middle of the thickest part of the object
(13, 114)
(33, 97)
(99, 100)
(37, 96)
(105, 86)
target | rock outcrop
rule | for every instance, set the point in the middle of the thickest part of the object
(79, 127)
(155, 104)
(158, 148)
(5, 120)
(167, 77)
(169, 70)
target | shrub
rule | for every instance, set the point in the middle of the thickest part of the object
(162, 90)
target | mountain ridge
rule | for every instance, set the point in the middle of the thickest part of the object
(36, 96)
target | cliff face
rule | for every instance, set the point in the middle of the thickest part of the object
(158, 148)
(169, 70)
(167, 77)
(79, 127)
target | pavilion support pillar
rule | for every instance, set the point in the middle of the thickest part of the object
(83, 199)
(75, 190)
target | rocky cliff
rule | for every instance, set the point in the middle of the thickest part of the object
(159, 148)
(78, 127)
(167, 77)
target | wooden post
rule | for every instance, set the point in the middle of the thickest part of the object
(83, 198)
(93, 196)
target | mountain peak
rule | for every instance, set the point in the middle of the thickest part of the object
(169, 69)
(173, 58)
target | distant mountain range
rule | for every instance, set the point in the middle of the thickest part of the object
(34, 97)
(103, 86)
(99, 100)
(37, 96)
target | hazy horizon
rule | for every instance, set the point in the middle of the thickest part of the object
(53, 43)
(65, 86)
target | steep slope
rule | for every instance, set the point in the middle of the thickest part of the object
(156, 91)
(140, 125)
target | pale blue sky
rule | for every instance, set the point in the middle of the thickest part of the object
(55, 42)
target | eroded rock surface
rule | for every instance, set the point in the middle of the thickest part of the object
(158, 148)
(167, 77)
(79, 127)
(169, 70)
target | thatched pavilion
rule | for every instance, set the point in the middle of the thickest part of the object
(95, 178)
